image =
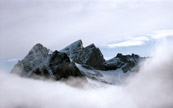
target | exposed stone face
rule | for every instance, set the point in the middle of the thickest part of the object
(126, 62)
(73, 50)
(61, 66)
(39, 62)
(36, 56)
(90, 55)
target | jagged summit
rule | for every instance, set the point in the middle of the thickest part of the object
(75, 44)
(61, 64)
(92, 56)
(38, 45)
(38, 50)
(89, 55)
(73, 49)
(78, 42)
(36, 57)
(91, 46)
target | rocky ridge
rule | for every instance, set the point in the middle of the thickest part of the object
(92, 56)
(59, 65)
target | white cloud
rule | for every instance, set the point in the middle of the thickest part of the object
(126, 43)
(136, 41)
(150, 88)
(161, 34)
(12, 60)
(141, 40)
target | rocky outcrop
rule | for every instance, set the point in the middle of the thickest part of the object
(62, 67)
(41, 62)
(125, 62)
(59, 65)
(37, 56)
(74, 49)
(90, 55)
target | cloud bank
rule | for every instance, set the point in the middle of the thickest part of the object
(56, 23)
(151, 88)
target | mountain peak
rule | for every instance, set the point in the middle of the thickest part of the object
(38, 46)
(38, 49)
(77, 43)
(91, 46)
(72, 49)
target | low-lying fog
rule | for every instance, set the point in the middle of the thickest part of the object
(152, 87)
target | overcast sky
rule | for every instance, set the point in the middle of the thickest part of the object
(110, 24)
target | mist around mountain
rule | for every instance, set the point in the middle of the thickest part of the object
(123, 60)
(150, 87)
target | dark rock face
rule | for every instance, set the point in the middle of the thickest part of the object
(126, 62)
(73, 50)
(90, 55)
(61, 66)
(39, 62)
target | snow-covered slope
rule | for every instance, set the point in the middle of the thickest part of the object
(107, 77)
